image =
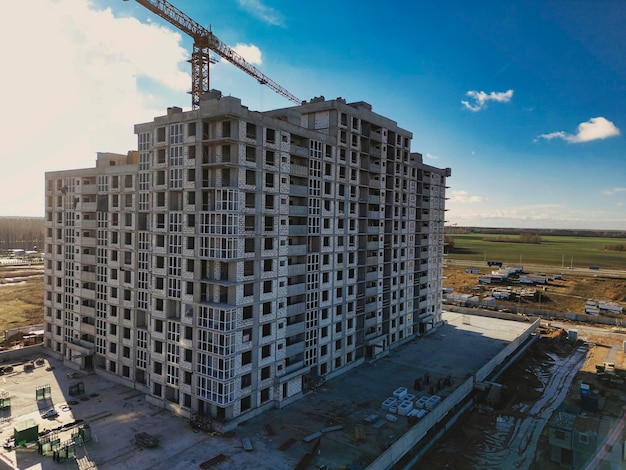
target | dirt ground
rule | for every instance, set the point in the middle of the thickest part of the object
(563, 295)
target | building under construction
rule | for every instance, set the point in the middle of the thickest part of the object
(239, 258)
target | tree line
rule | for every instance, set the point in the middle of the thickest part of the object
(524, 237)
(22, 233)
(452, 229)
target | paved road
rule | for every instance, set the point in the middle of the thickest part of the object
(612, 273)
(585, 331)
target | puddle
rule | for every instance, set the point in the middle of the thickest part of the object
(509, 441)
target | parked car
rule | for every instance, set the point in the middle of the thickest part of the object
(51, 413)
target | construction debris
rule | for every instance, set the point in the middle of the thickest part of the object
(219, 458)
(269, 430)
(143, 440)
(287, 444)
(246, 443)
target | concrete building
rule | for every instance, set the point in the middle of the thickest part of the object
(238, 258)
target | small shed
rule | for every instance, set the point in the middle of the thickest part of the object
(26, 431)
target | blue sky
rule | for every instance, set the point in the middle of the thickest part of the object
(523, 100)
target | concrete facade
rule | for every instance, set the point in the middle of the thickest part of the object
(238, 258)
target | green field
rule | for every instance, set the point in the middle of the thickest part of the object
(552, 251)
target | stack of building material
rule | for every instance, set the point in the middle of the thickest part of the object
(391, 418)
(146, 441)
(415, 413)
(611, 307)
(405, 407)
(591, 307)
(500, 293)
(400, 392)
(421, 402)
(432, 402)
(394, 408)
(536, 278)
(499, 275)
(527, 280)
(388, 403)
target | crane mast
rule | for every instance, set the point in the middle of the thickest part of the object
(203, 42)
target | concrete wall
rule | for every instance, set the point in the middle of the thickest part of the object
(591, 319)
(488, 368)
(485, 313)
(524, 311)
(409, 439)
(12, 355)
(22, 329)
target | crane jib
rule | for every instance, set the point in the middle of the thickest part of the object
(204, 38)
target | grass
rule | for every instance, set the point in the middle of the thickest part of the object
(552, 251)
(21, 303)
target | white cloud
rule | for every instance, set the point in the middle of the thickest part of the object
(81, 94)
(611, 192)
(553, 135)
(594, 129)
(462, 197)
(531, 212)
(481, 98)
(431, 156)
(536, 216)
(250, 52)
(262, 12)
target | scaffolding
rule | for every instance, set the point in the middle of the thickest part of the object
(43, 392)
(5, 399)
(49, 443)
(67, 450)
(77, 389)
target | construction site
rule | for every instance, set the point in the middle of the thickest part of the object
(561, 407)
(490, 390)
(362, 419)
(254, 290)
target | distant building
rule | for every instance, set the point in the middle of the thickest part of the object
(239, 257)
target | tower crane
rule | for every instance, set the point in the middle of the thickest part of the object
(203, 42)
